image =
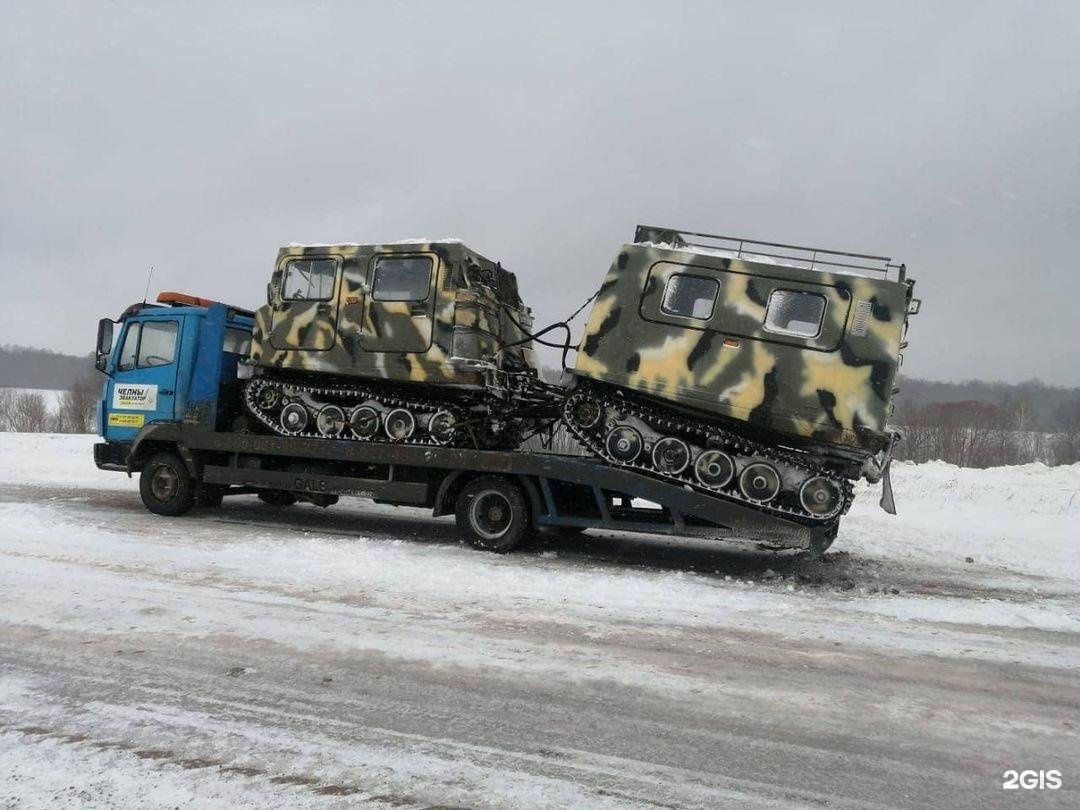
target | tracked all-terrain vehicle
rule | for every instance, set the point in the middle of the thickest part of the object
(738, 387)
(760, 371)
(414, 342)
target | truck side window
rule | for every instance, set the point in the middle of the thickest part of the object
(237, 341)
(126, 361)
(690, 296)
(404, 278)
(795, 313)
(309, 280)
(158, 344)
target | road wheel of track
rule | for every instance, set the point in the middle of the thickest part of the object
(760, 482)
(624, 443)
(493, 514)
(399, 425)
(165, 486)
(277, 497)
(364, 421)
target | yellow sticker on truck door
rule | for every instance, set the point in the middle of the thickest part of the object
(136, 420)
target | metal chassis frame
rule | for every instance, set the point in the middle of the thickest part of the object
(608, 490)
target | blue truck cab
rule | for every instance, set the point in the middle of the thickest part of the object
(175, 360)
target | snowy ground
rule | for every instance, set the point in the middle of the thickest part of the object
(243, 657)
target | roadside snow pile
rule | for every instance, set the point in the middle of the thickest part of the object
(54, 458)
(1022, 517)
(1031, 488)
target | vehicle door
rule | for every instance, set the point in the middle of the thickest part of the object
(142, 384)
(306, 317)
(400, 311)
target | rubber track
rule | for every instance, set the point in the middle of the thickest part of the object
(706, 436)
(363, 394)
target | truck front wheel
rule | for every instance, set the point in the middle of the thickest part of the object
(165, 486)
(492, 514)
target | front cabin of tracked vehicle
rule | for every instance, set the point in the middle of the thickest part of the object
(435, 313)
(795, 341)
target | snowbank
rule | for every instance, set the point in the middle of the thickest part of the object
(54, 458)
(1023, 518)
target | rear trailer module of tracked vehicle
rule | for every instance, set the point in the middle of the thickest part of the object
(760, 371)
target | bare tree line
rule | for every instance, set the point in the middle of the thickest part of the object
(969, 433)
(30, 412)
(981, 434)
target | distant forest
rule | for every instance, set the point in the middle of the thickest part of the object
(972, 423)
(24, 367)
(981, 424)
(1035, 405)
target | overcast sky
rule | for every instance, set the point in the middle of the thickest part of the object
(200, 139)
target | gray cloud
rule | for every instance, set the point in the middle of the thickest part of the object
(199, 139)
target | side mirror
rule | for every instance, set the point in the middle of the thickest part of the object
(272, 299)
(104, 343)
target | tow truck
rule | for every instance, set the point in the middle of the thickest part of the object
(171, 410)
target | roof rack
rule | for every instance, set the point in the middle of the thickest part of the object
(810, 258)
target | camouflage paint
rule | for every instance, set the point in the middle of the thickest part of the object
(353, 335)
(835, 387)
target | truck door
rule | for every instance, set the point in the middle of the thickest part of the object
(307, 316)
(400, 311)
(142, 384)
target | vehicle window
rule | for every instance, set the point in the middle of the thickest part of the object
(690, 296)
(309, 280)
(126, 361)
(237, 341)
(404, 278)
(158, 344)
(795, 313)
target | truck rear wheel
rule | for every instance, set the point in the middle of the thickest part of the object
(493, 514)
(165, 485)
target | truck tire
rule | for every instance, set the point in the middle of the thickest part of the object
(493, 514)
(277, 497)
(165, 485)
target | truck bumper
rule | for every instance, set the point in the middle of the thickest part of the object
(111, 456)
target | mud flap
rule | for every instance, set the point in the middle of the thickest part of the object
(887, 503)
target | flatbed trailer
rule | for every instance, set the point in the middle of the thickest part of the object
(171, 410)
(556, 491)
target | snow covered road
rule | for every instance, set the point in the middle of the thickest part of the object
(246, 657)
